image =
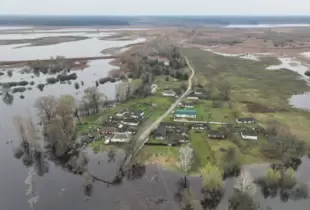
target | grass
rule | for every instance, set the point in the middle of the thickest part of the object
(172, 83)
(96, 146)
(202, 151)
(163, 155)
(216, 114)
(256, 91)
(249, 79)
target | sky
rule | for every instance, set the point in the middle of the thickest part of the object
(155, 7)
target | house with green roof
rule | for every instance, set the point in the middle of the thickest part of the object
(185, 113)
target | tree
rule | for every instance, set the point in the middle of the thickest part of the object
(186, 158)
(225, 89)
(7, 97)
(212, 177)
(245, 183)
(283, 145)
(65, 111)
(46, 107)
(272, 177)
(231, 163)
(10, 73)
(242, 201)
(94, 98)
(59, 138)
(76, 86)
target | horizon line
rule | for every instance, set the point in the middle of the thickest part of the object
(156, 15)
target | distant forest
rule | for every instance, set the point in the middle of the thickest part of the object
(149, 20)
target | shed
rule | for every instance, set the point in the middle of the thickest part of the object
(192, 96)
(121, 138)
(216, 134)
(249, 135)
(245, 120)
(200, 126)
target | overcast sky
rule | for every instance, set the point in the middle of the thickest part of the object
(155, 7)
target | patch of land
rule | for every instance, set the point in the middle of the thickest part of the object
(43, 41)
(256, 91)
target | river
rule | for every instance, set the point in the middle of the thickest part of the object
(60, 189)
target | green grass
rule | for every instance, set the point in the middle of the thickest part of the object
(96, 146)
(163, 155)
(252, 83)
(216, 114)
(202, 151)
(172, 83)
(250, 80)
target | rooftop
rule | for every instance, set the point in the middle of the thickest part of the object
(186, 111)
(216, 132)
(121, 136)
(246, 119)
(132, 120)
(249, 133)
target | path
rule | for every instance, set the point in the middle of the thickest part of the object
(197, 121)
(143, 138)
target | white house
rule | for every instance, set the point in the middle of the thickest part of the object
(137, 114)
(121, 138)
(122, 113)
(170, 93)
(249, 135)
(245, 120)
(132, 122)
(192, 96)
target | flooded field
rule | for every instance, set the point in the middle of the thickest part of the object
(56, 185)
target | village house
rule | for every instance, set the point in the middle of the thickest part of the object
(187, 105)
(192, 96)
(138, 114)
(185, 113)
(168, 125)
(107, 131)
(120, 138)
(200, 126)
(169, 93)
(216, 134)
(249, 135)
(132, 122)
(124, 129)
(122, 113)
(180, 130)
(245, 120)
(114, 119)
(176, 139)
(160, 133)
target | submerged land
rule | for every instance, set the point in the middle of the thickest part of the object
(220, 97)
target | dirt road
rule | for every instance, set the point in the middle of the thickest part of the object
(143, 138)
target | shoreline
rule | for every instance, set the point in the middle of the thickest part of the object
(7, 64)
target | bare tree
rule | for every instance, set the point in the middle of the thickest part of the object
(94, 97)
(65, 110)
(46, 107)
(245, 183)
(59, 137)
(7, 97)
(186, 157)
(28, 133)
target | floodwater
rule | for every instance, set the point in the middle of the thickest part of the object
(247, 56)
(301, 100)
(85, 48)
(60, 189)
(267, 26)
